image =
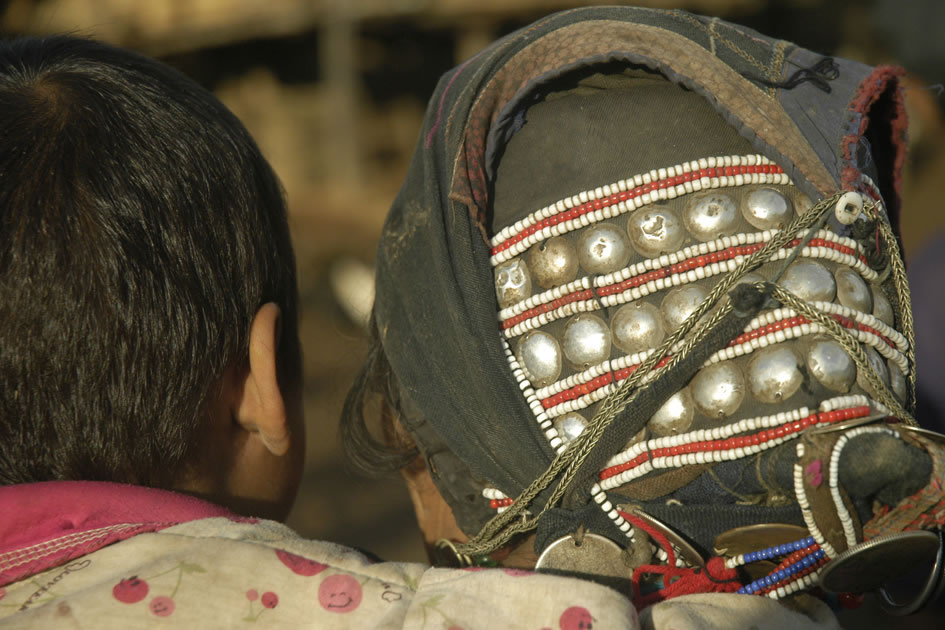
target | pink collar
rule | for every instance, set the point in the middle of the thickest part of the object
(43, 525)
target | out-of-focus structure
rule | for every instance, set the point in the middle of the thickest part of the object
(334, 91)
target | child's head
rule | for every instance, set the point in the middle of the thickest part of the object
(143, 244)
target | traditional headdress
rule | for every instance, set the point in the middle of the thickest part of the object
(642, 283)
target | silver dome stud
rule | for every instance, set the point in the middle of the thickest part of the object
(802, 204)
(553, 262)
(654, 231)
(766, 208)
(877, 365)
(810, 281)
(774, 374)
(750, 278)
(675, 416)
(852, 291)
(882, 309)
(586, 340)
(636, 439)
(603, 248)
(569, 426)
(897, 381)
(512, 282)
(540, 357)
(830, 364)
(718, 390)
(680, 303)
(637, 326)
(848, 208)
(711, 216)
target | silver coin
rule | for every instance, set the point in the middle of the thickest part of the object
(586, 340)
(877, 365)
(711, 216)
(766, 208)
(897, 381)
(654, 231)
(810, 281)
(680, 303)
(718, 390)
(569, 426)
(852, 291)
(587, 556)
(636, 439)
(512, 282)
(553, 262)
(636, 327)
(830, 364)
(603, 248)
(774, 374)
(540, 357)
(675, 416)
(882, 309)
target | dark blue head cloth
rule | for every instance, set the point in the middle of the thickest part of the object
(435, 307)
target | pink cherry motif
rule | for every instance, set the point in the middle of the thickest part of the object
(252, 595)
(576, 618)
(340, 593)
(130, 590)
(300, 565)
(270, 599)
(814, 472)
(162, 605)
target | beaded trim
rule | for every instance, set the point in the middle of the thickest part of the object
(544, 422)
(718, 444)
(802, 501)
(629, 194)
(637, 281)
(789, 575)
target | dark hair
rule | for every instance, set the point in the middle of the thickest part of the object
(140, 231)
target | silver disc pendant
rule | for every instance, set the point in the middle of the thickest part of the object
(553, 262)
(586, 341)
(603, 248)
(830, 364)
(591, 557)
(655, 231)
(897, 381)
(675, 416)
(636, 327)
(852, 291)
(540, 357)
(810, 281)
(512, 282)
(882, 309)
(766, 208)
(774, 374)
(569, 426)
(711, 216)
(680, 303)
(718, 390)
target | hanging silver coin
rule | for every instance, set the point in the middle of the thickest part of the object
(512, 282)
(586, 341)
(675, 416)
(654, 231)
(636, 327)
(897, 381)
(774, 374)
(680, 303)
(766, 208)
(877, 365)
(830, 364)
(852, 291)
(603, 248)
(711, 216)
(569, 426)
(540, 357)
(882, 309)
(718, 390)
(810, 281)
(553, 262)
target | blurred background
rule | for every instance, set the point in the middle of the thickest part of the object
(334, 92)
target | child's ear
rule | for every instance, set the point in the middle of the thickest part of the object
(260, 408)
